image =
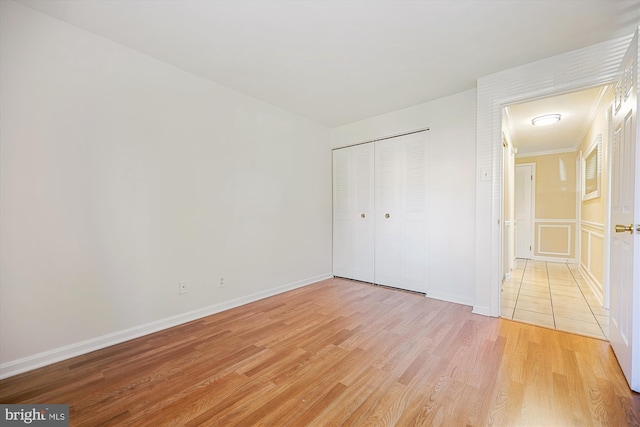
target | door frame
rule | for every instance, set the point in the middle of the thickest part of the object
(588, 67)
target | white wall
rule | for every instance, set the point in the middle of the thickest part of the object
(121, 175)
(452, 144)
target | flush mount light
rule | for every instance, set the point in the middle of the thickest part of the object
(547, 119)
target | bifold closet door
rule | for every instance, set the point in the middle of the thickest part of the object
(353, 245)
(401, 212)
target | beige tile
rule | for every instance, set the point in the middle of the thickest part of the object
(533, 318)
(569, 293)
(589, 296)
(539, 305)
(566, 273)
(510, 293)
(563, 284)
(588, 293)
(535, 275)
(570, 305)
(507, 312)
(558, 288)
(509, 299)
(508, 302)
(537, 285)
(578, 327)
(559, 271)
(510, 286)
(510, 289)
(582, 314)
(534, 292)
(602, 320)
(598, 309)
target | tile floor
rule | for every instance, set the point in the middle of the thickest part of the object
(553, 295)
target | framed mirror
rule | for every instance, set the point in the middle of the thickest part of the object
(591, 170)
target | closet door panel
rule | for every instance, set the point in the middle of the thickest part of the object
(388, 259)
(401, 212)
(342, 247)
(353, 243)
(415, 212)
(363, 221)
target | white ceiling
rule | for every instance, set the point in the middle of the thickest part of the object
(336, 62)
(577, 110)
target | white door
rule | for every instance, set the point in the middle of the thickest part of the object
(401, 209)
(624, 333)
(388, 217)
(353, 245)
(524, 184)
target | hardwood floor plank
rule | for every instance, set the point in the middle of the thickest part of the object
(336, 353)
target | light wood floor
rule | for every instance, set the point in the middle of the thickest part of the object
(341, 353)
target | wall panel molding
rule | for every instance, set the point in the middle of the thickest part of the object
(586, 268)
(539, 242)
(597, 225)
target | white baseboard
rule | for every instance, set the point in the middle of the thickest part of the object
(28, 363)
(553, 259)
(596, 287)
(449, 298)
(482, 310)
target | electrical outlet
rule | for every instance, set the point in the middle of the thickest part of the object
(182, 287)
(221, 282)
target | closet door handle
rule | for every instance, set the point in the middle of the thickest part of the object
(387, 215)
(362, 215)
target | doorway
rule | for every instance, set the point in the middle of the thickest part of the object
(559, 276)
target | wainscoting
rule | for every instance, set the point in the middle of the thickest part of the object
(555, 240)
(592, 247)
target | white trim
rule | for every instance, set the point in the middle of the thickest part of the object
(482, 310)
(591, 282)
(607, 211)
(556, 221)
(596, 145)
(450, 298)
(597, 105)
(552, 259)
(28, 363)
(585, 269)
(592, 224)
(568, 227)
(545, 152)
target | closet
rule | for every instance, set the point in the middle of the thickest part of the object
(380, 212)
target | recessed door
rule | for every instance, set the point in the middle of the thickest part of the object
(523, 199)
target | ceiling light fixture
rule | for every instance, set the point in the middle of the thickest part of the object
(547, 119)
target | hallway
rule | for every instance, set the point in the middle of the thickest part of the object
(553, 295)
